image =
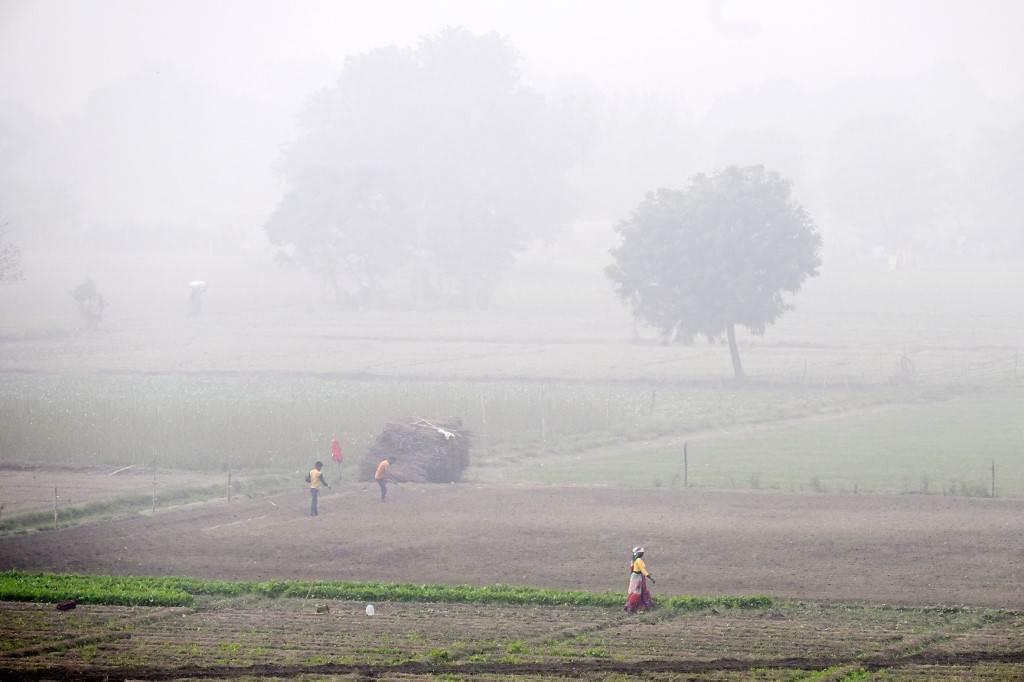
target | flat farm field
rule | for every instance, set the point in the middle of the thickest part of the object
(297, 638)
(903, 549)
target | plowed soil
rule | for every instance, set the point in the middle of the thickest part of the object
(286, 639)
(903, 549)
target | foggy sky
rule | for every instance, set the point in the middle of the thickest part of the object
(108, 82)
(53, 55)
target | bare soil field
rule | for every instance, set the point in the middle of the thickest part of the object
(30, 488)
(894, 549)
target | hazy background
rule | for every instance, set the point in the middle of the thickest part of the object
(149, 144)
(146, 138)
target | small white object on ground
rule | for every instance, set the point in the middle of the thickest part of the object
(369, 610)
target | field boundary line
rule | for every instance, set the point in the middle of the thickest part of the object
(234, 523)
(743, 427)
(579, 668)
(126, 506)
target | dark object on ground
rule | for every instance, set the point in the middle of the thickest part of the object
(323, 608)
(67, 605)
(427, 450)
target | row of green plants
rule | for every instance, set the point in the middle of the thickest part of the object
(90, 589)
(127, 504)
(182, 591)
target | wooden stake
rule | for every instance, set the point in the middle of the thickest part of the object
(993, 478)
(154, 489)
(686, 466)
(55, 507)
(483, 422)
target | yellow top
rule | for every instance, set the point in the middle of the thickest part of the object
(382, 470)
(314, 478)
(639, 566)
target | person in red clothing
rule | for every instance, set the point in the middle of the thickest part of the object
(639, 596)
(336, 452)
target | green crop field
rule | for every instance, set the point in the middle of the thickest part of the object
(935, 446)
(903, 383)
(896, 438)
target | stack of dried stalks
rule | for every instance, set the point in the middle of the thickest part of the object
(428, 451)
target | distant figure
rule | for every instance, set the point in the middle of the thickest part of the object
(90, 303)
(195, 297)
(314, 479)
(336, 452)
(383, 474)
(639, 598)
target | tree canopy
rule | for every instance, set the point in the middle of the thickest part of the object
(10, 257)
(721, 252)
(476, 160)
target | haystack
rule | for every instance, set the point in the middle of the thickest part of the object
(428, 450)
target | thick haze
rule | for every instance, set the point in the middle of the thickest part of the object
(148, 123)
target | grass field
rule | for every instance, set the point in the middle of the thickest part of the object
(550, 386)
(793, 437)
(936, 446)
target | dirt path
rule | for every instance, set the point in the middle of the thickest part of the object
(908, 549)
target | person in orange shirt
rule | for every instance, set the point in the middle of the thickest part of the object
(383, 475)
(315, 479)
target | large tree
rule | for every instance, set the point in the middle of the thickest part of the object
(719, 253)
(10, 257)
(350, 227)
(479, 159)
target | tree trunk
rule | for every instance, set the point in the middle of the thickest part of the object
(737, 367)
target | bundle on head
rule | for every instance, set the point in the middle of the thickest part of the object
(428, 450)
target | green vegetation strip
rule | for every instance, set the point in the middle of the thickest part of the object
(89, 589)
(176, 591)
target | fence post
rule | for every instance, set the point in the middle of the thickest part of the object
(154, 489)
(483, 422)
(55, 507)
(686, 466)
(993, 478)
(543, 429)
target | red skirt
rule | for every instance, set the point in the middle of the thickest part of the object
(639, 598)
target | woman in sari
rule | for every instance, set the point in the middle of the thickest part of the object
(639, 598)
